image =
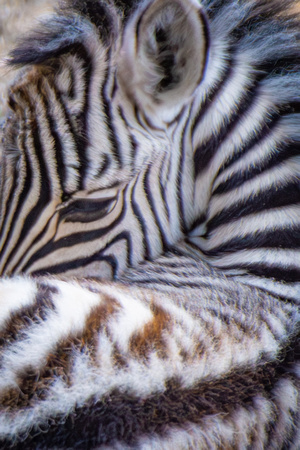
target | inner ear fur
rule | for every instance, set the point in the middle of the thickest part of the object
(164, 52)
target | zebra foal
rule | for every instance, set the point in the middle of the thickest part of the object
(149, 228)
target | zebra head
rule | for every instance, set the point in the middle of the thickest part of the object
(95, 176)
(131, 132)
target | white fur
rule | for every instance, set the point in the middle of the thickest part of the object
(15, 293)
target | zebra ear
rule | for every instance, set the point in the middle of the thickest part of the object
(164, 52)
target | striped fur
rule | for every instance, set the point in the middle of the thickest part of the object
(145, 140)
(95, 190)
(132, 146)
(87, 364)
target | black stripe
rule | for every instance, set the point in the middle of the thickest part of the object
(38, 238)
(279, 273)
(254, 19)
(78, 264)
(261, 21)
(274, 158)
(254, 138)
(134, 150)
(179, 184)
(122, 416)
(19, 321)
(113, 135)
(74, 239)
(78, 140)
(140, 218)
(206, 151)
(199, 221)
(152, 202)
(8, 200)
(86, 210)
(137, 116)
(60, 164)
(271, 198)
(124, 236)
(214, 7)
(105, 165)
(114, 88)
(81, 136)
(5, 203)
(22, 197)
(99, 15)
(44, 193)
(281, 65)
(284, 238)
(112, 260)
(132, 140)
(293, 107)
(162, 187)
(212, 94)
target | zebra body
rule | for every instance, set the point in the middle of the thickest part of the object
(95, 364)
(114, 150)
(145, 140)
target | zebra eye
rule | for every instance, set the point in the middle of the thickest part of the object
(86, 210)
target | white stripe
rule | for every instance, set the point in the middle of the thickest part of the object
(15, 293)
(265, 221)
(274, 178)
(66, 320)
(268, 256)
(224, 351)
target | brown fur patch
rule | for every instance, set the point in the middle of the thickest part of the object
(98, 320)
(20, 94)
(151, 337)
(20, 321)
(33, 384)
(119, 359)
(60, 362)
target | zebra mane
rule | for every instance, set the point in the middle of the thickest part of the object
(63, 32)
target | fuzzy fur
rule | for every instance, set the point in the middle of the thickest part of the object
(156, 214)
(115, 365)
